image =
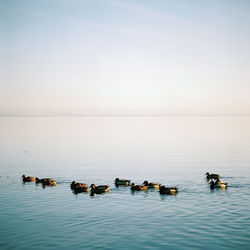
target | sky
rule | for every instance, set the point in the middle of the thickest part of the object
(124, 57)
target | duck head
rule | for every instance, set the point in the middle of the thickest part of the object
(92, 186)
(133, 184)
(117, 179)
(145, 183)
(207, 173)
(24, 176)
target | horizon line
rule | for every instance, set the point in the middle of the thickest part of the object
(125, 115)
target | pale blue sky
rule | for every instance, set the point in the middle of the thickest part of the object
(70, 57)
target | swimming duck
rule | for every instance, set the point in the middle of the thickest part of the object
(99, 189)
(168, 190)
(78, 187)
(152, 185)
(28, 178)
(218, 184)
(122, 182)
(49, 182)
(138, 187)
(75, 184)
(46, 181)
(212, 176)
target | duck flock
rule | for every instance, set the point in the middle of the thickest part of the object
(78, 187)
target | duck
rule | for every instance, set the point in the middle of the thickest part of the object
(49, 182)
(46, 181)
(152, 185)
(218, 184)
(168, 190)
(75, 184)
(78, 187)
(28, 178)
(135, 187)
(99, 189)
(212, 176)
(122, 182)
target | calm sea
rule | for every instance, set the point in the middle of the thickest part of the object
(170, 150)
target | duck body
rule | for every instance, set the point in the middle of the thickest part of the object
(218, 184)
(152, 185)
(122, 182)
(138, 187)
(46, 181)
(78, 187)
(99, 189)
(212, 176)
(77, 184)
(28, 178)
(168, 190)
(39, 180)
(49, 182)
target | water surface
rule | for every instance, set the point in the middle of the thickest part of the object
(170, 150)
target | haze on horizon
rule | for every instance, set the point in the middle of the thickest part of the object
(117, 57)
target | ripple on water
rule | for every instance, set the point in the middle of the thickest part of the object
(56, 218)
